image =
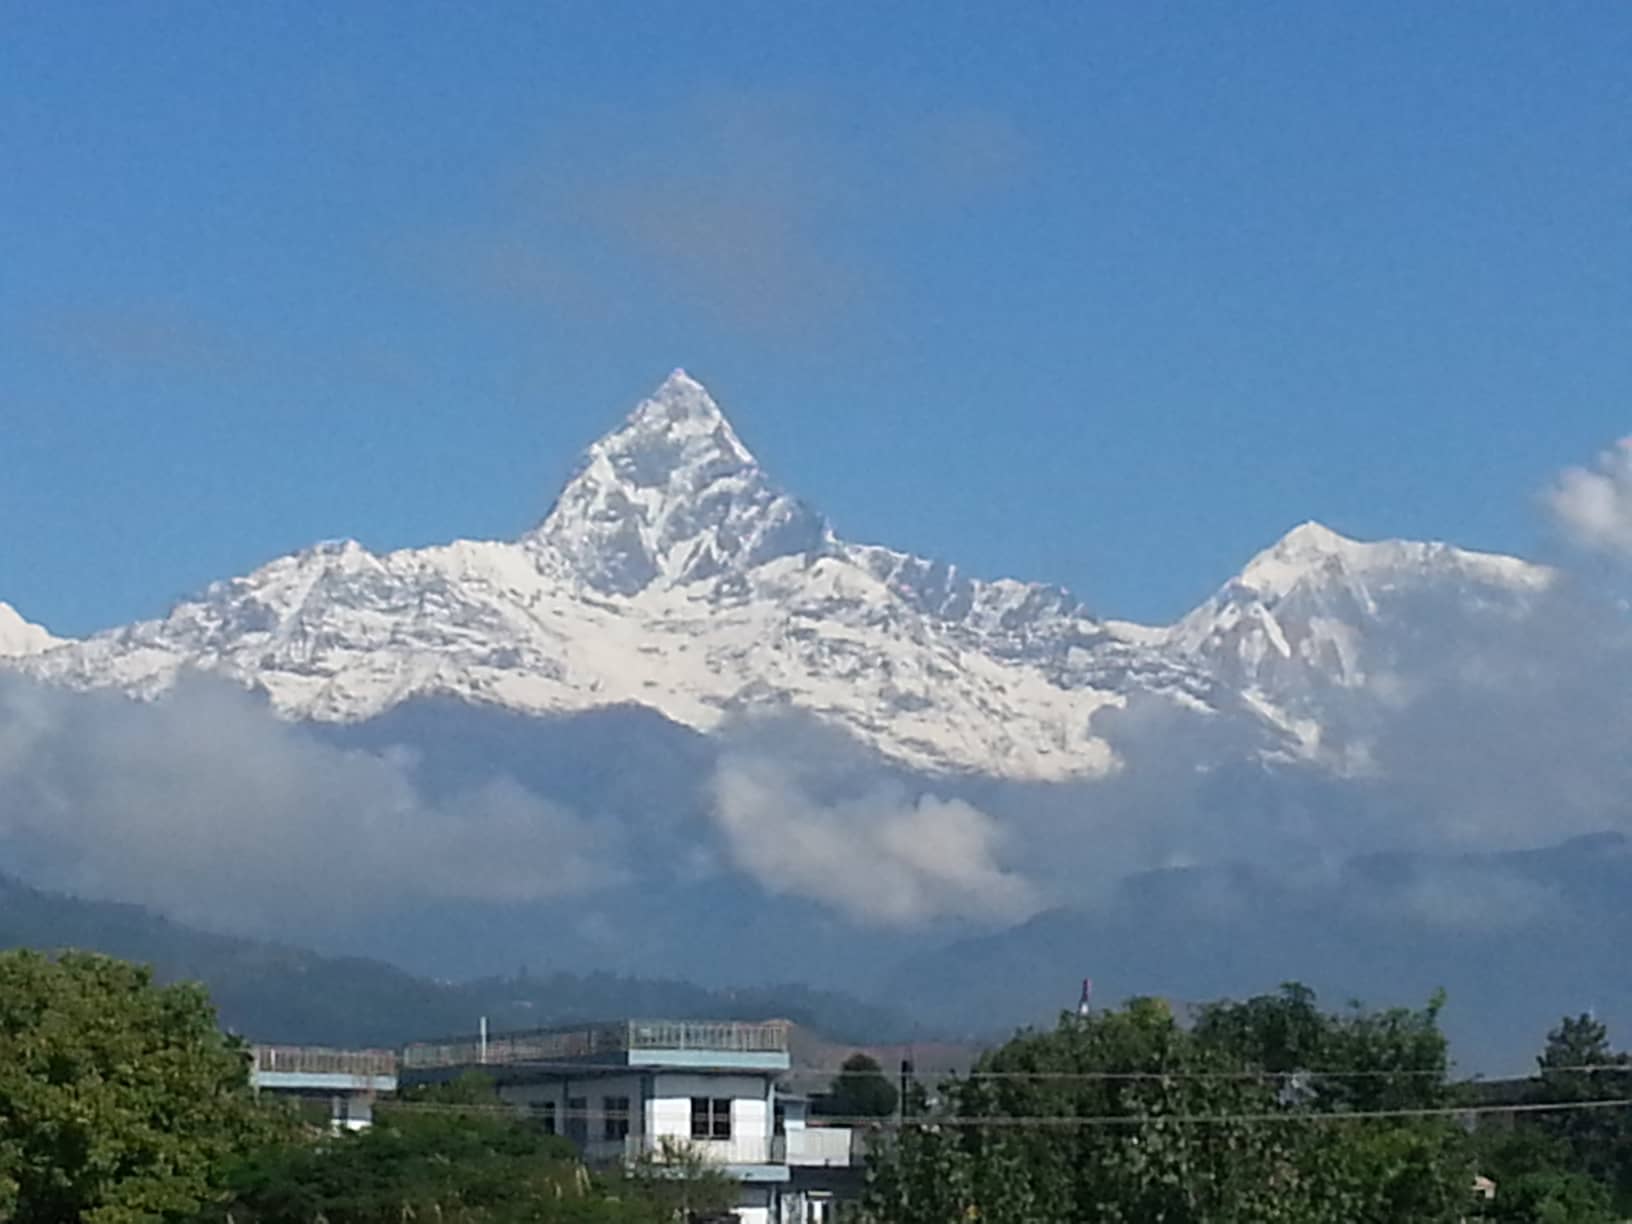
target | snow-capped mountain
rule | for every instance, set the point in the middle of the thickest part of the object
(1324, 628)
(671, 572)
(20, 637)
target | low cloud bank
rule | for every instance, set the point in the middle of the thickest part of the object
(207, 807)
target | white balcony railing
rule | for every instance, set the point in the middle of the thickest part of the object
(819, 1146)
(661, 1149)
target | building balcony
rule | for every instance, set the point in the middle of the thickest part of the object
(747, 1158)
(826, 1147)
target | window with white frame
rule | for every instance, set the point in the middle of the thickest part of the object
(711, 1117)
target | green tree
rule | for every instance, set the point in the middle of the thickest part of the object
(1573, 1162)
(1534, 1181)
(860, 1090)
(120, 1101)
(476, 1089)
(422, 1161)
(1129, 1116)
(676, 1182)
(1578, 1065)
(1356, 1062)
(449, 1157)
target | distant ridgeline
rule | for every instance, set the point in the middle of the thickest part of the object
(278, 993)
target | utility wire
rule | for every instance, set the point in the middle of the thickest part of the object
(1066, 1076)
(1073, 1121)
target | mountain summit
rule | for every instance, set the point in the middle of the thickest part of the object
(672, 496)
(1318, 614)
(672, 573)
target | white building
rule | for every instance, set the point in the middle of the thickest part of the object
(651, 1088)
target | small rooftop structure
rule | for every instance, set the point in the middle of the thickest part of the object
(349, 1080)
(321, 1067)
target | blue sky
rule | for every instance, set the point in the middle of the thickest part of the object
(1103, 295)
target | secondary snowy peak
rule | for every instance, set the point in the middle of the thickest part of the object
(20, 637)
(1312, 553)
(670, 497)
(1319, 610)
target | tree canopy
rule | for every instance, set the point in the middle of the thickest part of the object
(1129, 1116)
(859, 1090)
(120, 1101)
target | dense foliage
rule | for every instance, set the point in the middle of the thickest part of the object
(1572, 1163)
(1130, 1116)
(417, 1164)
(120, 1101)
(859, 1090)
(453, 1153)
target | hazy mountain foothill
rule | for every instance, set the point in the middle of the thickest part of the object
(684, 730)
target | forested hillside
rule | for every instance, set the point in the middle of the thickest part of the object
(276, 992)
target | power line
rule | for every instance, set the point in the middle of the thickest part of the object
(1291, 1116)
(1070, 1121)
(1063, 1076)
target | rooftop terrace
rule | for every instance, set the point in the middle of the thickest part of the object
(762, 1044)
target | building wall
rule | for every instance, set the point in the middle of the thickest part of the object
(660, 1108)
(531, 1097)
(668, 1114)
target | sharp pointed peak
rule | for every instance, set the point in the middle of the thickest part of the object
(672, 494)
(678, 397)
(682, 411)
(679, 382)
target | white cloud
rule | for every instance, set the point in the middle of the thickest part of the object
(207, 807)
(882, 857)
(1593, 506)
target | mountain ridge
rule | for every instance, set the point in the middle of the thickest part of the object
(280, 992)
(672, 572)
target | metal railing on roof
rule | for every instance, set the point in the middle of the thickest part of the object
(586, 1042)
(322, 1060)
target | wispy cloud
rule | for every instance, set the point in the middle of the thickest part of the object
(1593, 505)
(152, 335)
(765, 211)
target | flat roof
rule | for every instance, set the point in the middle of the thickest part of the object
(747, 1045)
